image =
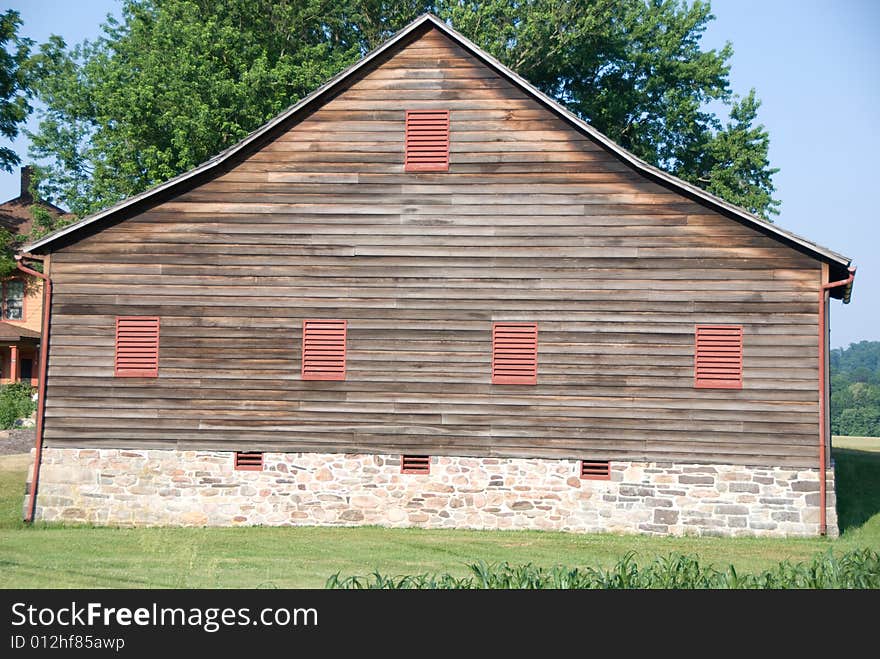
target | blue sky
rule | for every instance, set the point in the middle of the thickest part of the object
(816, 67)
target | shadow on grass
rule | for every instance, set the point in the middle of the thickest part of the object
(858, 487)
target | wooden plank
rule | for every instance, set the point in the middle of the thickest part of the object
(533, 223)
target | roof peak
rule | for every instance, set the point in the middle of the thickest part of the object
(812, 249)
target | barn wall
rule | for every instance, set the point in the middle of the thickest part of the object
(533, 222)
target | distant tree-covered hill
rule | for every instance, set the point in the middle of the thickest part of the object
(855, 389)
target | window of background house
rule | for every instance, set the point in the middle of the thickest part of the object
(13, 300)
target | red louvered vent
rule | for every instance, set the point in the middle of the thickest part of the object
(415, 464)
(718, 357)
(596, 470)
(323, 350)
(137, 347)
(248, 461)
(515, 353)
(427, 141)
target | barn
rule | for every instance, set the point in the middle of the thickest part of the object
(428, 295)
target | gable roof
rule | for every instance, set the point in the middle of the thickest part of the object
(15, 214)
(838, 263)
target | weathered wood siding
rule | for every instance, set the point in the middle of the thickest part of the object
(533, 222)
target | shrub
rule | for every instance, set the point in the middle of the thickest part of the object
(16, 402)
(859, 568)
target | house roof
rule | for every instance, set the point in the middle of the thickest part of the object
(10, 332)
(838, 263)
(15, 214)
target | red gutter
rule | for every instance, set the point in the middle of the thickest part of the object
(823, 296)
(41, 390)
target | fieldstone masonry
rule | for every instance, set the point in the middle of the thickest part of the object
(201, 488)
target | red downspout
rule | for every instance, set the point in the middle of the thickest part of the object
(823, 293)
(41, 388)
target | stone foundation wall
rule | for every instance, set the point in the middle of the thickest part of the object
(201, 488)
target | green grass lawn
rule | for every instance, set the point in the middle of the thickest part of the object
(85, 557)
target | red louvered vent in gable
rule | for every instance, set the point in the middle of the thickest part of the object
(137, 347)
(515, 353)
(415, 464)
(596, 470)
(427, 141)
(718, 357)
(248, 461)
(323, 349)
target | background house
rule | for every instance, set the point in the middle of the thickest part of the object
(21, 300)
(428, 295)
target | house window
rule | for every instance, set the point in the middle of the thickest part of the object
(718, 356)
(415, 464)
(248, 461)
(427, 141)
(13, 299)
(137, 347)
(596, 470)
(515, 353)
(323, 349)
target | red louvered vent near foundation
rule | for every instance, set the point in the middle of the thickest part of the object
(137, 347)
(249, 461)
(596, 470)
(323, 351)
(515, 353)
(427, 141)
(718, 357)
(415, 464)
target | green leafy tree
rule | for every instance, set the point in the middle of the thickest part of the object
(855, 389)
(14, 84)
(16, 402)
(174, 82)
(735, 164)
(8, 247)
(861, 359)
(16, 77)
